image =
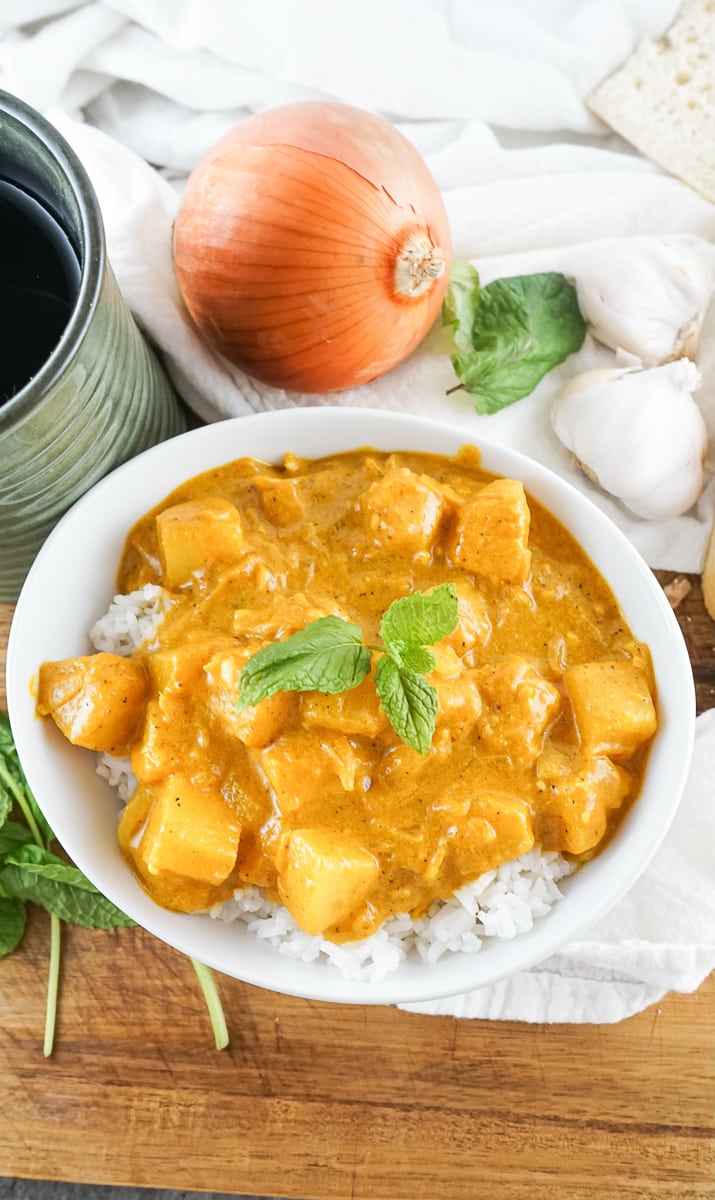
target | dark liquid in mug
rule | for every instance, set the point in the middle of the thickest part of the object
(39, 284)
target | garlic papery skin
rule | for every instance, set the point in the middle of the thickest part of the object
(645, 295)
(638, 434)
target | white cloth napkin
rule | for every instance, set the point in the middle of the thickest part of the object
(494, 99)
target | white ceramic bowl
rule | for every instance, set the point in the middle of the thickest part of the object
(72, 583)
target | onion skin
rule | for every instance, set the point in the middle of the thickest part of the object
(287, 241)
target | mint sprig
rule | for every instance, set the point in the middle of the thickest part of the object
(330, 655)
(509, 334)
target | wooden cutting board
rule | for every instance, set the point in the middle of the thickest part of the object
(326, 1102)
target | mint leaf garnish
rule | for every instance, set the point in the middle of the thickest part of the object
(327, 656)
(330, 656)
(420, 620)
(511, 333)
(409, 701)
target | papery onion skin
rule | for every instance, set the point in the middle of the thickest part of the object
(287, 241)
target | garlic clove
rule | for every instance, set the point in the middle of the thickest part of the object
(647, 296)
(637, 433)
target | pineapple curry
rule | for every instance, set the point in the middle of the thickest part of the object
(544, 699)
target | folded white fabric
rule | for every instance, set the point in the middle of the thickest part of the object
(517, 65)
(131, 83)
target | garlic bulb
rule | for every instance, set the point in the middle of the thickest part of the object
(645, 295)
(638, 434)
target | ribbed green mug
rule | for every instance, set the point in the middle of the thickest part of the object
(101, 396)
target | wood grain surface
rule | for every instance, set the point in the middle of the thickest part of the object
(327, 1102)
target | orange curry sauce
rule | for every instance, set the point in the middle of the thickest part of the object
(545, 710)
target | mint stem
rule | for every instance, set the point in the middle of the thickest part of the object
(213, 1003)
(53, 983)
(53, 977)
(19, 797)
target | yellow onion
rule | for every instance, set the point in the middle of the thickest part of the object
(312, 247)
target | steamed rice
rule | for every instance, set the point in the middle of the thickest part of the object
(499, 904)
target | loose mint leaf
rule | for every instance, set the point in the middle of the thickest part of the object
(420, 620)
(327, 656)
(12, 924)
(7, 742)
(409, 701)
(460, 302)
(521, 328)
(12, 835)
(30, 873)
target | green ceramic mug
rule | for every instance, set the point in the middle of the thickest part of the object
(99, 396)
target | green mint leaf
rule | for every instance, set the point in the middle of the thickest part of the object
(30, 873)
(420, 620)
(522, 327)
(7, 741)
(13, 785)
(12, 925)
(461, 301)
(5, 802)
(12, 835)
(409, 701)
(327, 656)
(415, 658)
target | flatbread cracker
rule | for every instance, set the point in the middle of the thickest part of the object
(662, 99)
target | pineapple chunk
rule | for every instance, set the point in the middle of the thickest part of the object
(460, 703)
(404, 510)
(355, 713)
(280, 616)
(323, 876)
(490, 534)
(256, 725)
(498, 829)
(299, 771)
(178, 669)
(280, 500)
(575, 809)
(474, 625)
(191, 831)
(518, 706)
(161, 747)
(195, 534)
(448, 664)
(96, 700)
(613, 707)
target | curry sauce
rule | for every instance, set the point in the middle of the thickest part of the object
(545, 714)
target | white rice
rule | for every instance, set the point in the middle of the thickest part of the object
(499, 904)
(131, 620)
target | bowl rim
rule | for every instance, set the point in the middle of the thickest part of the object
(588, 894)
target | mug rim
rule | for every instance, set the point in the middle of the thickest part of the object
(91, 268)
